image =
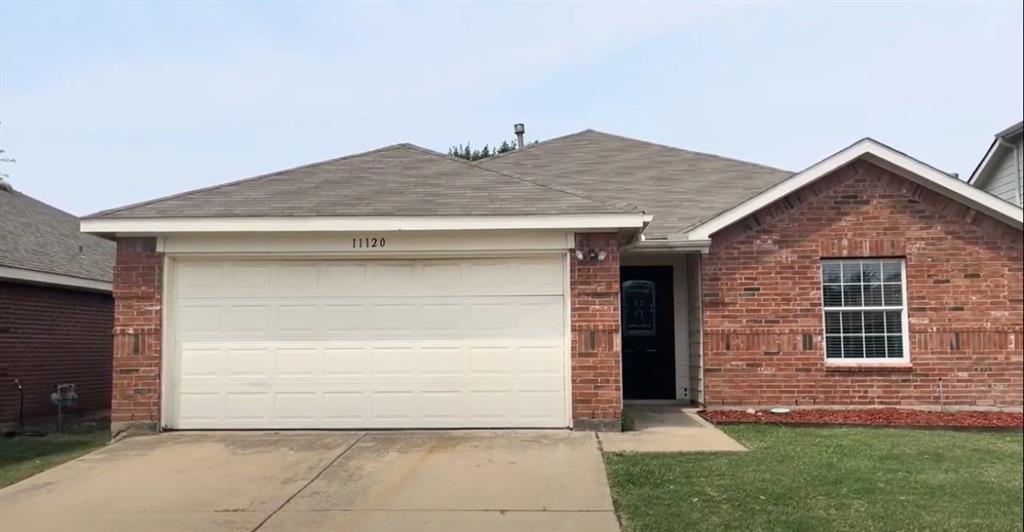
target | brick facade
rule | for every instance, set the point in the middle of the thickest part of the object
(762, 319)
(51, 335)
(596, 343)
(138, 287)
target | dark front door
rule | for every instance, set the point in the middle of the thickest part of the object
(648, 341)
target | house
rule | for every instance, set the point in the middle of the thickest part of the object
(403, 288)
(999, 172)
(56, 309)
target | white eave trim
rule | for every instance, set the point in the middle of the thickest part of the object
(150, 226)
(53, 279)
(881, 155)
(985, 162)
(662, 246)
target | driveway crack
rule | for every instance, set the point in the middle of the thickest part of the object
(310, 481)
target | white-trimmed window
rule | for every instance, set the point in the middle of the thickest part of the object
(865, 314)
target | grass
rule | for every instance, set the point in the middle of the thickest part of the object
(810, 479)
(24, 456)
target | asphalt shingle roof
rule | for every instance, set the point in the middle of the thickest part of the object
(399, 180)
(35, 236)
(680, 188)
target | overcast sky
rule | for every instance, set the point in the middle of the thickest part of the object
(106, 104)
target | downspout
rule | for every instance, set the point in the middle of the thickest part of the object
(639, 235)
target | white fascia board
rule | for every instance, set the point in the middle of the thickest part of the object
(663, 246)
(152, 226)
(53, 279)
(880, 155)
(985, 162)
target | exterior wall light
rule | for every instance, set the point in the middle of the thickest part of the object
(591, 255)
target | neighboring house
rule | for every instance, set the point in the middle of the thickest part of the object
(56, 311)
(402, 288)
(999, 173)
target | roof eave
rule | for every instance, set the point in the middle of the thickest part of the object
(154, 226)
(22, 275)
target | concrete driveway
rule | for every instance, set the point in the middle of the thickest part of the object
(246, 481)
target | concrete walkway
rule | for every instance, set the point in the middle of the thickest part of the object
(667, 428)
(376, 481)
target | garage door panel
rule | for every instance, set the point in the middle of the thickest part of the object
(297, 406)
(248, 406)
(391, 405)
(298, 362)
(345, 407)
(249, 363)
(201, 278)
(370, 344)
(344, 318)
(248, 278)
(351, 361)
(200, 318)
(444, 361)
(465, 277)
(200, 363)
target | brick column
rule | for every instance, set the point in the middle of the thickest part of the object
(596, 343)
(138, 289)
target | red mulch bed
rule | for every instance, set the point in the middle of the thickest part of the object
(876, 417)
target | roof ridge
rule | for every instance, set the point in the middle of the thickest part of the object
(243, 180)
(641, 141)
(693, 152)
(624, 206)
(43, 204)
(539, 143)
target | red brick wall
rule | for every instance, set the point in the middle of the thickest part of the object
(138, 281)
(48, 336)
(596, 351)
(762, 294)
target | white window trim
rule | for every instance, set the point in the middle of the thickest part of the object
(904, 320)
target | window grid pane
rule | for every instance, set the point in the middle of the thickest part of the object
(854, 292)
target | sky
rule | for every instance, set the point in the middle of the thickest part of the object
(104, 104)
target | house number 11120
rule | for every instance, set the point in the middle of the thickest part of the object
(362, 243)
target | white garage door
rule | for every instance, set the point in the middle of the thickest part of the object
(362, 344)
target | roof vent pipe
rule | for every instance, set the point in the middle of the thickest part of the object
(520, 130)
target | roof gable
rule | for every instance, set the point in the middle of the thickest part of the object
(882, 156)
(678, 187)
(399, 180)
(996, 153)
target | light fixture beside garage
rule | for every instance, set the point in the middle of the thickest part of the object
(591, 255)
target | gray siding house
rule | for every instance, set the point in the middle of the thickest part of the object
(999, 172)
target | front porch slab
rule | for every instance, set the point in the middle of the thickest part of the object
(668, 428)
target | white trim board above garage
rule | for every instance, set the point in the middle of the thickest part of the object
(370, 244)
(153, 226)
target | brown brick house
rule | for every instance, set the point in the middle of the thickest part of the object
(56, 310)
(541, 288)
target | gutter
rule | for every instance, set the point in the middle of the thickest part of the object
(664, 245)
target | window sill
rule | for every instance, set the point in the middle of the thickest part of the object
(869, 368)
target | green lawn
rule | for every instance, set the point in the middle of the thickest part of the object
(24, 456)
(827, 479)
